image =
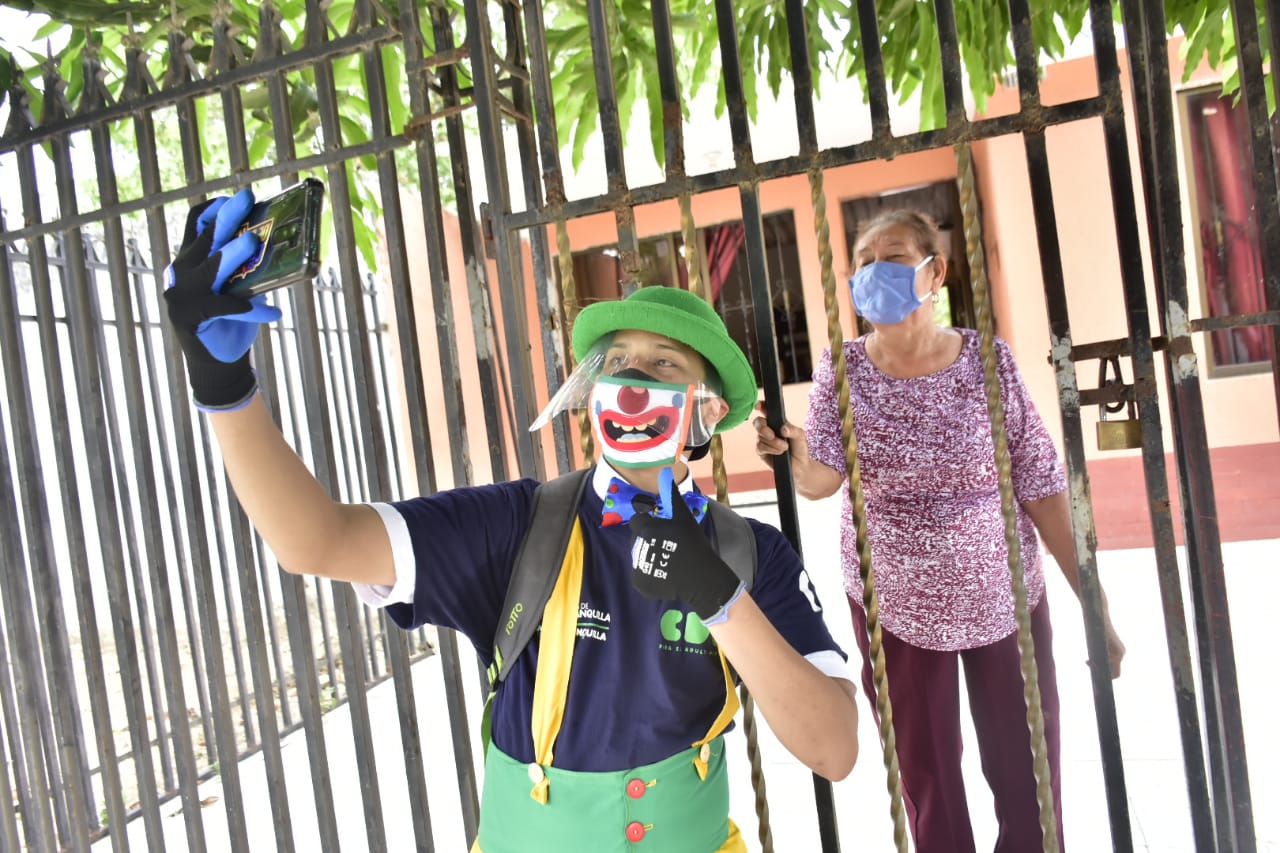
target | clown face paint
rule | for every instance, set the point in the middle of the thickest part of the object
(640, 423)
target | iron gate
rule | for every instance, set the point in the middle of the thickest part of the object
(115, 512)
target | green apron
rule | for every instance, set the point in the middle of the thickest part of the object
(677, 805)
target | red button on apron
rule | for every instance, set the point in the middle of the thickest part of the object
(635, 789)
(635, 831)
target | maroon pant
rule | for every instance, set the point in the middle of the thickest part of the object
(924, 687)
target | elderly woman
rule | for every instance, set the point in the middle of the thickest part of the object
(936, 531)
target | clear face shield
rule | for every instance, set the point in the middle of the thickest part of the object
(644, 399)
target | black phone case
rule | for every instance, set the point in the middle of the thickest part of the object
(288, 224)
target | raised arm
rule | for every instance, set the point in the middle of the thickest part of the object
(307, 530)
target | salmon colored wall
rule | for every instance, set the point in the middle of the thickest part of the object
(443, 433)
(1240, 411)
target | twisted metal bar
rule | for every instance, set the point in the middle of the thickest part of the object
(569, 290)
(853, 474)
(1026, 645)
(699, 286)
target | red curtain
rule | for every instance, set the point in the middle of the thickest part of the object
(723, 243)
(1228, 234)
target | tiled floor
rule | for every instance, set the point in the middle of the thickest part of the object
(1157, 798)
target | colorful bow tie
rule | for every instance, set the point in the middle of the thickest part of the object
(618, 509)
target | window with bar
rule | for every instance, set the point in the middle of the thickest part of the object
(1223, 201)
(722, 255)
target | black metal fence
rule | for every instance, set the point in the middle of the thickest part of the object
(148, 640)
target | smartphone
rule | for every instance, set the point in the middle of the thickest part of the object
(288, 224)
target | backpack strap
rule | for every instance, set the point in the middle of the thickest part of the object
(734, 541)
(555, 507)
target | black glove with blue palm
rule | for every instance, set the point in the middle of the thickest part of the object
(216, 329)
(672, 558)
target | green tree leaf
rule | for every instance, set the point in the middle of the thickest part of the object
(909, 47)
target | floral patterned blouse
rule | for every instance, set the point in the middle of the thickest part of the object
(932, 494)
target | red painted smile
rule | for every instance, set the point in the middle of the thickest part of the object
(638, 432)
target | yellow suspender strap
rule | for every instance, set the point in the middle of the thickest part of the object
(721, 723)
(555, 658)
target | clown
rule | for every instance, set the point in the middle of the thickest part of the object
(607, 732)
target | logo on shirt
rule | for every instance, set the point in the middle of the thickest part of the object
(593, 624)
(684, 632)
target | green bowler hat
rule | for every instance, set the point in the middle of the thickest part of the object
(684, 317)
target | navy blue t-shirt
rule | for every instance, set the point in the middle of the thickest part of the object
(646, 681)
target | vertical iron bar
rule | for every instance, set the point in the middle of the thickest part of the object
(669, 88)
(184, 752)
(346, 613)
(90, 386)
(147, 554)
(245, 564)
(157, 566)
(442, 292)
(550, 304)
(762, 310)
(873, 63)
(611, 133)
(292, 586)
(506, 245)
(398, 272)
(74, 526)
(70, 749)
(8, 819)
(37, 824)
(952, 70)
(329, 314)
(346, 609)
(193, 453)
(240, 531)
(1082, 524)
(807, 129)
(149, 160)
(125, 519)
(1217, 770)
(1125, 211)
(1026, 54)
(802, 77)
(1190, 441)
(25, 720)
(765, 336)
(378, 327)
(520, 56)
(479, 299)
(419, 82)
(321, 444)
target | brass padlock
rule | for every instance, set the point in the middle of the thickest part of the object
(1123, 434)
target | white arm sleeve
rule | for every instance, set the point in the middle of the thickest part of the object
(830, 663)
(380, 595)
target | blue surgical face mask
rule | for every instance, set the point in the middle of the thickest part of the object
(885, 292)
